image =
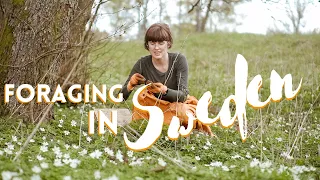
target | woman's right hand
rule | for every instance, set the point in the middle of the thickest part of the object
(135, 79)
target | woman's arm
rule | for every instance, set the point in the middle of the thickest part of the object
(181, 75)
(136, 69)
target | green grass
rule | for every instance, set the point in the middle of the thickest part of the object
(211, 58)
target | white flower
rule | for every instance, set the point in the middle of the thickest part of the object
(40, 158)
(248, 155)
(255, 162)
(14, 138)
(180, 178)
(237, 156)
(138, 162)
(89, 139)
(119, 156)
(279, 139)
(84, 133)
(97, 175)
(44, 138)
(298, 169)
(42, 129)
(83, 152)
(43, 148)
(10, 146)
(7, 175)
(45, 143)
(67, 178)
(74, 163)
(66, 161)
(205, 147)
(263, 148)
(208, 143)
(60, 121)
(192, 148)
(216, 164)
(197, 158)
(75, 146)
(73, 123)
(56, 149)
(7, 151)
(19, 143)
(96, 154)
(113, 162)
(57, 163)
(108, 151)
(161, 162)
(35, 177)
(66, 156)
(282, 168)
(113, 177)
(225, 168)
(36, 169)
(234, 143)
(59, 125)
(32, 140)
(265, 165)
(252, 146)
(59, 155)
(67, 146)
(66, 133)
(130, 154)
(44, 165)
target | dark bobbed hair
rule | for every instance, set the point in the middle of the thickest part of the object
(158, 32)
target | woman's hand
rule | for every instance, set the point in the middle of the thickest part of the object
(158, 88)
(135, 79)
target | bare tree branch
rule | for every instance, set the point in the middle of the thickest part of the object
(193, 6)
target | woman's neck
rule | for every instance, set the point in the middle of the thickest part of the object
(161, 62)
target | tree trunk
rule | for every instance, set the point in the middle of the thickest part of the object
(143, 22)
(43, 38)
(198, 18)
(205, 18)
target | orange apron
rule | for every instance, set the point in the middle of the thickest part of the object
(147, 98)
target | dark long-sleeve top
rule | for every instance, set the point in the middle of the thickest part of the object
(176, 77)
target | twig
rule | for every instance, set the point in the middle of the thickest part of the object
(193, 6)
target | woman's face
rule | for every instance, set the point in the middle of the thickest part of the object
(158, 50)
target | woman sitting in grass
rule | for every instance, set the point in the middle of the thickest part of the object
(168, 75)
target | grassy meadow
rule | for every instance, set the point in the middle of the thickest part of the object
(284, 137)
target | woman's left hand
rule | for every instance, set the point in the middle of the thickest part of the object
(158, 88)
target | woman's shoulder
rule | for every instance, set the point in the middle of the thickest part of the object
(144, 59)
(177, 56)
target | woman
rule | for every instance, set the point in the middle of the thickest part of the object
(168, 73)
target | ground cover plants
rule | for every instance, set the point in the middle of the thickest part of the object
(283, 138)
